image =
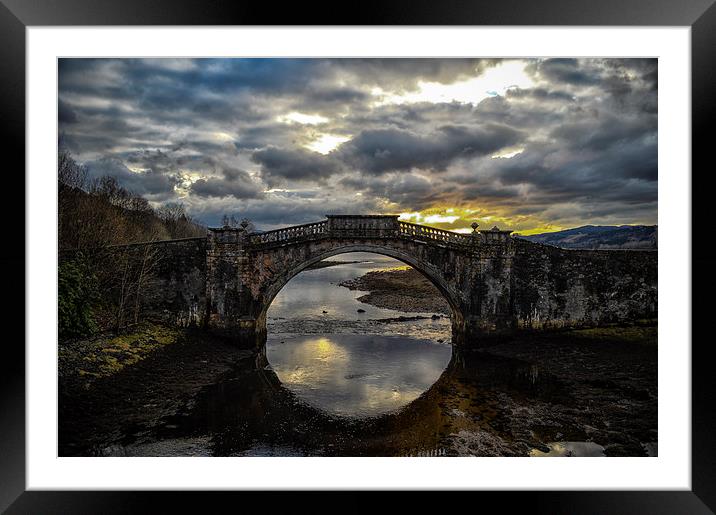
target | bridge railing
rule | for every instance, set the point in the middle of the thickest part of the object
(290, 233)
(431, 233)
(405, 229)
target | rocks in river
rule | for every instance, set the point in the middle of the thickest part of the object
(399, 289)
(359, 310)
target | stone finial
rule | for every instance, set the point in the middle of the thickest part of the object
(474, 226)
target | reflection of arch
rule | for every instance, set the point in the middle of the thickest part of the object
(270, 384)
(433, 275)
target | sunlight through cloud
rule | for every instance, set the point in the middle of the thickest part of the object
(326, 142)
(302, 118)
(492, 82)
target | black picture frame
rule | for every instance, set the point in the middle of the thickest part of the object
(700, 15)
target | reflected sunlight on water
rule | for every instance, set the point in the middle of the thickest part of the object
(357, 369)
(356, 375)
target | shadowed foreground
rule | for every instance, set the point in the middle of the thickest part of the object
(540, 394)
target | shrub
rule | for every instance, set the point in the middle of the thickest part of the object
(77, 290)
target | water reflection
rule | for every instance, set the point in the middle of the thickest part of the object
(357, 375)
(251, 412)
(349, 362)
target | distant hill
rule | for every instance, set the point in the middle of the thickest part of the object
(600, 237)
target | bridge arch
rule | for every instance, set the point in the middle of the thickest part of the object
(431, 273)
(245, 271)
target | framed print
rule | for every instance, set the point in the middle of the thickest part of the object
(416, 252)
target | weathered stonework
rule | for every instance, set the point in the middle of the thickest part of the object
(495, 284)
(178, 289)
(556, 287)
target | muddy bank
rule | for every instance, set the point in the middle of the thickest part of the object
(403, 289)
(586, 392)
(571, 392)
(107, 402)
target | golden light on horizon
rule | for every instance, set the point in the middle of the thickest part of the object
(459, 220)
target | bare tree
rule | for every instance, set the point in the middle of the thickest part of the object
(149, 259)
(69, 173)
(124, 287)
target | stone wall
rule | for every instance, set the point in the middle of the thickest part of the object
(176, 289)
(555, 287)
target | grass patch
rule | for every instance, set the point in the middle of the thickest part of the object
(640, 334)
(106, 354)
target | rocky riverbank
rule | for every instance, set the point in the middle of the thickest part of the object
(402, 289)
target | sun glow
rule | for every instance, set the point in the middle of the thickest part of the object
(460, 219)
(302, 118)
(326, 142)
(420, 218)
(492, 82)
(186, 179)
(223, 136)
(507, 153)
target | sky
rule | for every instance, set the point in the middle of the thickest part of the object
(531, 145)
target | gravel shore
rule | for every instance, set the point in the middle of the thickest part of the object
(403, 289)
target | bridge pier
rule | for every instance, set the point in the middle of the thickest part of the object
(232, 311)
(474, 332)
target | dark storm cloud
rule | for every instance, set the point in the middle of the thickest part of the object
(281, 165)
(65, 113)
(410, 189)
(233, 183)
(386, 150)
(539, 94)
(149, 182)
(566, 70)
(601, 134)
(214, 134)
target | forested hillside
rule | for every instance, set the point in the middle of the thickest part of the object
(100, 212)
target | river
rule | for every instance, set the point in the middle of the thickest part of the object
(355, 361)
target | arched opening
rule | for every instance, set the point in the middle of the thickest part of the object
(433, 276)
(343, 349)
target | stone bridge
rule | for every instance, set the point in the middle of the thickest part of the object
(494, 283)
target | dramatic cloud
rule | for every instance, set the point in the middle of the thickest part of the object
(532, 144)
(385, 150)
(234, 183)
(284, 165)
